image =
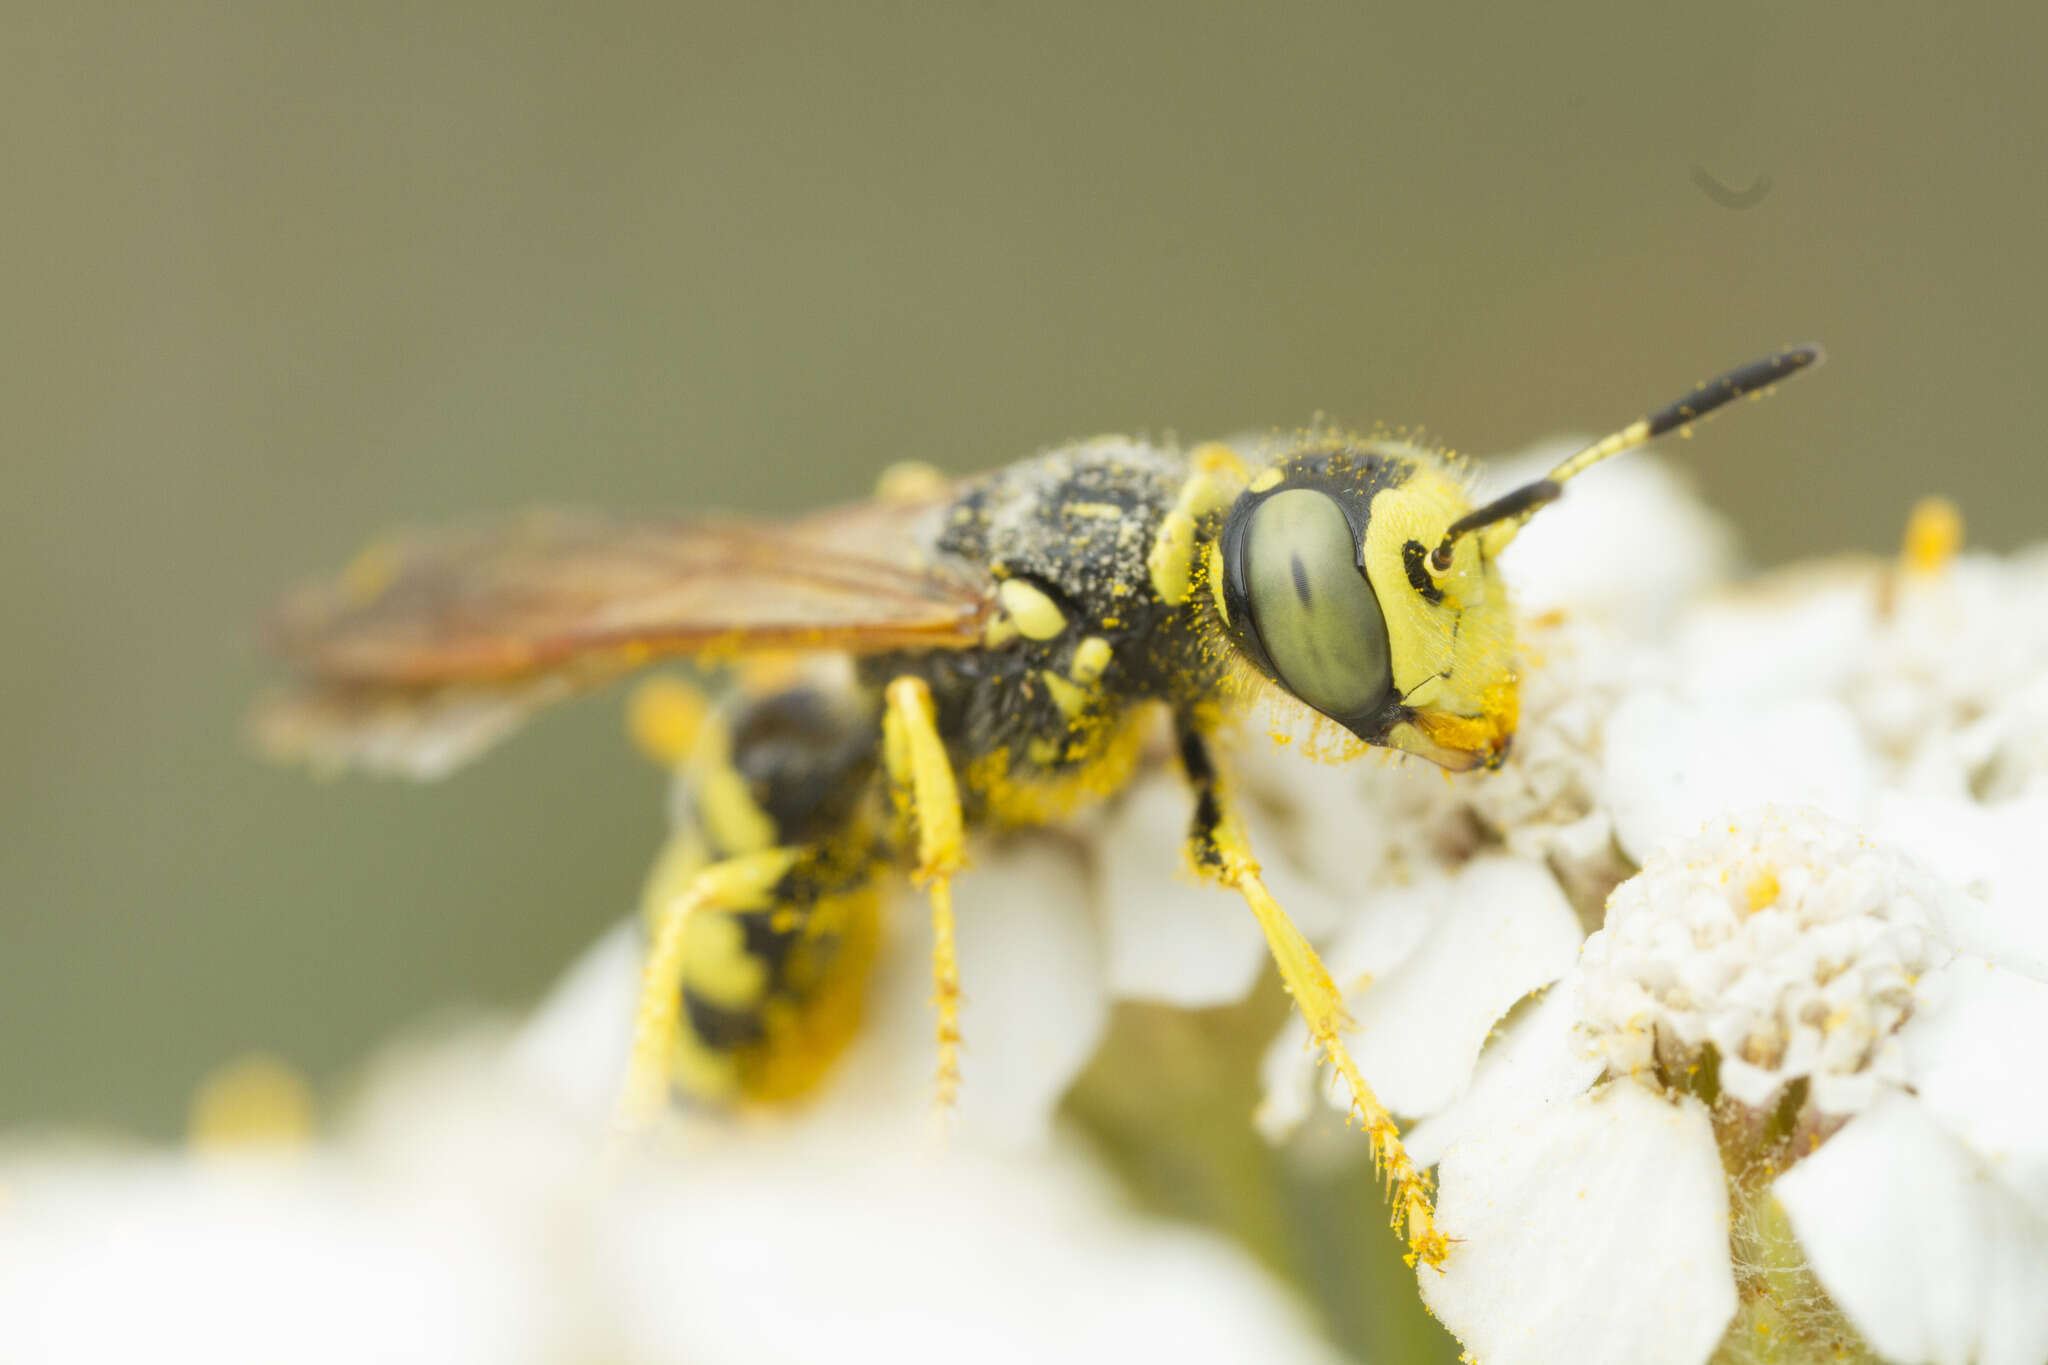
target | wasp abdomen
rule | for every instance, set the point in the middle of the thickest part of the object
(772, 983)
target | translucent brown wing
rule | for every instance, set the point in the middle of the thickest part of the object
(429, 647)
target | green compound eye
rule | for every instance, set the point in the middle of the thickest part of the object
(1315, 613)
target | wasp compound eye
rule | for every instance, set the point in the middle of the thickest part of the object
(1303, 606)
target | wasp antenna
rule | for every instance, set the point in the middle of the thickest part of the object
(1518, 506)
(1703, 401)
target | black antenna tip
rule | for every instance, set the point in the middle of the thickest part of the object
(1745, 379)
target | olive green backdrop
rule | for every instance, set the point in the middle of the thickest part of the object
(278, 276)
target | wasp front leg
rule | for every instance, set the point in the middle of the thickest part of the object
(1220, 851)
(921, 777)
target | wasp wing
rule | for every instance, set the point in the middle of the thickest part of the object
(430, 647)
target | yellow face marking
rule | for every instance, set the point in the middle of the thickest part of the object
(1266, 478)
(1458, 653)
(1069, 696)
(1038, 617)
(1171, 559)
(1091, 657)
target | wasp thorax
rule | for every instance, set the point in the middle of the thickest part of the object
(1299, 603)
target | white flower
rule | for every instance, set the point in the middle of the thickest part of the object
(1782, 992)
(469, 1209)
(1628, 549)
(1619, 1181)
(1945, 673)
(1466, 897)
(1927, 1216)
(1788, 946)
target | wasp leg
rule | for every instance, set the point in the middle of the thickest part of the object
(741, 883)
(1220, 851)
(922, 778)
(762, 910)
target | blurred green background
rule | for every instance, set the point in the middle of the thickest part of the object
(279, 276)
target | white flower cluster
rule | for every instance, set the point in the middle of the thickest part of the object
(1788, 947)
(1717, 1010)
(469, 1210)
(1786, 1095)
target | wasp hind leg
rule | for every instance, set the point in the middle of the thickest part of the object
(921, 776)
(1221, 852)
(755, 974)
(762, 911)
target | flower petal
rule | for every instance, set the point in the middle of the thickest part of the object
(1994, 852)
(1537, 1059)
(1801, 632)
(1631, 546)
(1034, 1008)
(575, 1045)
(1170, 937)
(1928, 1256)
(1672, 765)
(1500, 929)
(1977, 1072)
(237, 1261)
(1430, 969)
(1591, 1231)
(867, 1254)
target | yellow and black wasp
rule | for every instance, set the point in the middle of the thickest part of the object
(999, 645)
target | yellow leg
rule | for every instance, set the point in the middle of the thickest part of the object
(737, 883)
(1222, 852)
(923, 778)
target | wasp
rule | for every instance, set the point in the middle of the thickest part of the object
(974, 654)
